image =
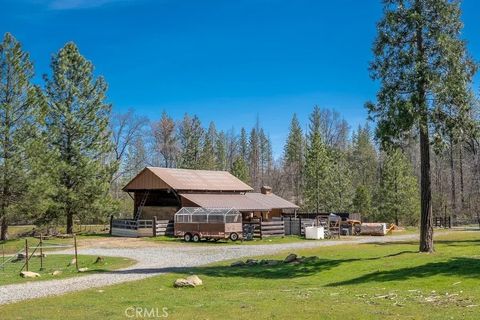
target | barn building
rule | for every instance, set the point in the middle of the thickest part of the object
(161, 192)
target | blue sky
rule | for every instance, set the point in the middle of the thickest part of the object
(226, 61)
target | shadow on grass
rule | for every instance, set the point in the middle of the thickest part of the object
(463, 267)
(279, 271)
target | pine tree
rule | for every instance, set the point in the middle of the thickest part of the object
(338, 182)
(243, 144)
(426, 74)
(20, 110)
(190, 137)
(240, 169)
(294, 158)
(207, 157)
(254, 158)
(362, 201)
(78, 132)
(399, 190)
(221, 151)
(266, 157)
(316, 167)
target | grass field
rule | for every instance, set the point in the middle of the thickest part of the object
(368, 281)
(53, 263)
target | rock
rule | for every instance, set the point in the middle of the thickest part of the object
(272, 262)
(290, 258)
(237, 264)
(183, 283)
(195, 280)
(99, 260)
(251, 262)
(72, 262)
(56, 273)
(83, 270)
(29, 274)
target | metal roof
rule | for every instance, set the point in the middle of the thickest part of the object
(186, 180)
(243, 202)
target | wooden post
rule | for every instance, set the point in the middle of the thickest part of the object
(26, 254)
(111, 223)
(154, 226)
(3, 257)
(41, 252)
(76, 251)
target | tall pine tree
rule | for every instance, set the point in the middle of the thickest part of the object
(294, 158)
(78, 132)
(425, 78)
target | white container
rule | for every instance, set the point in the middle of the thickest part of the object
(315, 233)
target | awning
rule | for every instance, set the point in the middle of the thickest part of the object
(243, 202)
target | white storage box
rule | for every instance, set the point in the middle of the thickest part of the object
(315, 233)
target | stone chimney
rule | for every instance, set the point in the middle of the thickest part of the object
(266, 190)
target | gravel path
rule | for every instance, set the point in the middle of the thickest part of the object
(157, 260)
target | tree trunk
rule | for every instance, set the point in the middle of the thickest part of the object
(4, 232)
(426, 219)
(452, 180)
(426, 224)
(462, 195)
(69, 223)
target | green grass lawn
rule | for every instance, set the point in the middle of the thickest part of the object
(367, 281)
(11, 273)
(15, 245)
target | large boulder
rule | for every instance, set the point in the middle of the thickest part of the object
(195, 280)
(183, 283)
(29, 274)
(56, 273)
(290, 258)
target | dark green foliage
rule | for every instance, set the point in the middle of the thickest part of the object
(78, 133)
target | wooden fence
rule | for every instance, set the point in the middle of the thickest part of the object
(165, 228)
(131, 228)
(265, 229)
(442, 222)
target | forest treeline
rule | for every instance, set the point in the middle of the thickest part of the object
(64, 155)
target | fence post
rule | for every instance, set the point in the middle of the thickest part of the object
(154, 226)
(111, 224)
(41, 251)
(76, 253)
(26, 254)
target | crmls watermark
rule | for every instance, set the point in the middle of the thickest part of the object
(146, 312)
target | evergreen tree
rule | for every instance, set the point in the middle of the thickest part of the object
(399, 190)
(254, 157)
(207, 158)
(78, 133)
(243, 144)
(240, 169)
(316, 167)
(294, 158)
(426, 74)
(338, 182)
(362, 201)
(266, 157)
(190, 137)
(221, 151)
(20, 110)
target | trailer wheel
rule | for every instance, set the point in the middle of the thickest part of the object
(196, 238)
(187, 237)
(233, 236)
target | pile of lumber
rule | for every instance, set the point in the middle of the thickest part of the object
(373, 229)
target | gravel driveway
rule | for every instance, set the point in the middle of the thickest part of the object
(157, 259)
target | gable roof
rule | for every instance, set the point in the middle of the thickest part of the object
(249, 201)
(157, 178)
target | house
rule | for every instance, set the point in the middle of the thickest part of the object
(161, 192)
